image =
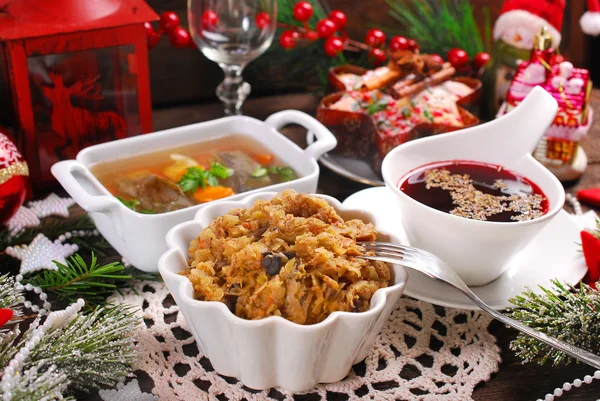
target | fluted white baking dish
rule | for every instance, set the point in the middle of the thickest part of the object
(274, 352)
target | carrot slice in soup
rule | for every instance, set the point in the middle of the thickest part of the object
(208, 194)
(265, 160)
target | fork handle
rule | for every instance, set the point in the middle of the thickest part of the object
(569, 349)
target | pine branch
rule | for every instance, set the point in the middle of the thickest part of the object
(92, 350)
(437, 25)
(77, 279)
(38, 383)
(9, 296)
(567, 313)
(51, 227)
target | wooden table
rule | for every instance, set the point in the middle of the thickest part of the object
(514, 381)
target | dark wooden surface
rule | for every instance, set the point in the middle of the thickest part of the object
(514, 381)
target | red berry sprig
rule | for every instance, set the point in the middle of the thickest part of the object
(461, 61)
(324, 29)
(180, 37)
(169, 24)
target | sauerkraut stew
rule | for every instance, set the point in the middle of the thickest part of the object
(293, 256)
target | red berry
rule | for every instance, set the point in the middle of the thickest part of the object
(338, 18)
(480, 60)
(377, 56)
(457, 57)
(287, 39)
(399, 43)
(302, 11)
(333, 46)
(413, 45)
(262, 19)
(169, 21)
(558, 58)
(436, 58)
(149, 29)
(375, 38)
(326, 28)
(179, 37)
(311, 35)
(209, 19)
(154, 39)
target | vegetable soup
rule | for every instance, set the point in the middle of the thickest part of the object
(180, 177)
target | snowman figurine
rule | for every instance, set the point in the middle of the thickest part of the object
(514, 34)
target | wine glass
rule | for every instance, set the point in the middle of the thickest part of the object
(232, 33)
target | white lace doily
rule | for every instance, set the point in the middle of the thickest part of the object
(424, 352)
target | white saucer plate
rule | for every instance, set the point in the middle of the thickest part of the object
(552, 254)
(353, 169)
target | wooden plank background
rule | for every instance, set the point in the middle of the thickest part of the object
(185, 76)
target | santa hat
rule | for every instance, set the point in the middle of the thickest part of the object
(534, 14)
(590, 21)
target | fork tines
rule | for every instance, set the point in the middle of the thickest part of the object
(387, 249)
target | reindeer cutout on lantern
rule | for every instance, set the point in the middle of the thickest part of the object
(76, 125)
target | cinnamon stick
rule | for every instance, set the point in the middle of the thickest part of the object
(380, 81)
(444, 74)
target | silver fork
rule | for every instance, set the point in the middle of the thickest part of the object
(429, 264)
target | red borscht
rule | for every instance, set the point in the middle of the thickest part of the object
(475, 191)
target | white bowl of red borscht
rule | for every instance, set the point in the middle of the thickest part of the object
(477, 197)
(136, 189)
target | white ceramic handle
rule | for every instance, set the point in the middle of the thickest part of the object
(325, 141)
(63, 171)
(528, 122)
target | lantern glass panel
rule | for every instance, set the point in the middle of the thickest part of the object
(82, 98)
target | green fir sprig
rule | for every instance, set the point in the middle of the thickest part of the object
(571, 314)
(94, 282)
(438, 25)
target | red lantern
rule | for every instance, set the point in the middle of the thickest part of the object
(78, 75)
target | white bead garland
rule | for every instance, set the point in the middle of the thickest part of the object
(575, 204)
(57, 318)
(46, 306)
(559, 391)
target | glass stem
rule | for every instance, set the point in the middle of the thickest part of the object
(233, 90)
